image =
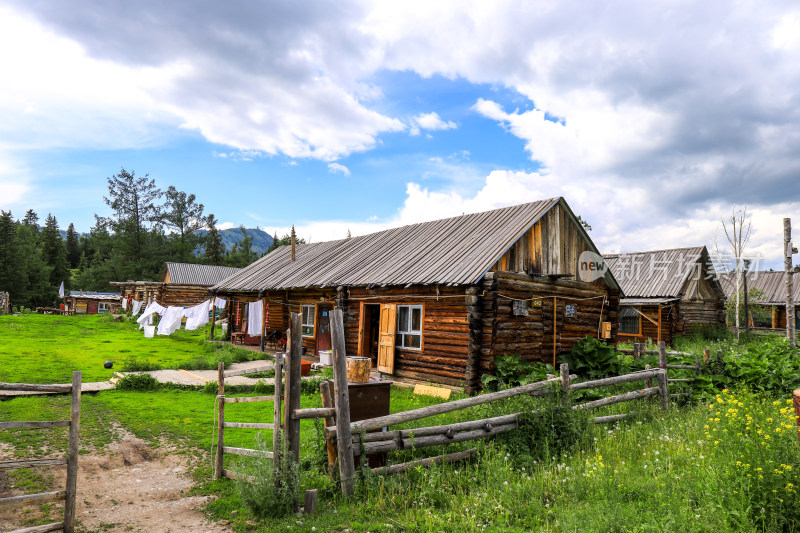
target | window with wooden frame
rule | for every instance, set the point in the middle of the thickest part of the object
(103, 307)
(409, 326)
(308, 320)
(630, 321)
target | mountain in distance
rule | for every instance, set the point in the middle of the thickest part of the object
(261, 239)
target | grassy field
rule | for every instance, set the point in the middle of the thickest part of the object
(729, 463)
(47, 348)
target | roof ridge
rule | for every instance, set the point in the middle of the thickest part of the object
(655, 251)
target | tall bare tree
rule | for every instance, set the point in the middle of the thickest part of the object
(737, 228)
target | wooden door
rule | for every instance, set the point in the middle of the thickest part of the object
(388, 328)
(323, 328)
(92, 308)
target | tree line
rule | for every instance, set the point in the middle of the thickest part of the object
(147, 227)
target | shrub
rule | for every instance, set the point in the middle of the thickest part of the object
(592, 359)
(138, 382)
(512, 371)
(136, 365)
(269, 494)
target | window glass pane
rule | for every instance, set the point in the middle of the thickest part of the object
(414, 340)
(416, 319)
(402, 318)
(308, 331)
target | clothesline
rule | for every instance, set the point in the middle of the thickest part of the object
(172, 316)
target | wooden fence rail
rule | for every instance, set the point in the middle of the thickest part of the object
(68, 496)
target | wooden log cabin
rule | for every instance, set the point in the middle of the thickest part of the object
(667, 293)
(91, 303)
(771, 288)
(181, 284)
(439, 300)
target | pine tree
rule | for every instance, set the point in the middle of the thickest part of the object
(54, 254)
(214, 252)
(11, 267)
(135, 211)
(184, 215)
(73, 248)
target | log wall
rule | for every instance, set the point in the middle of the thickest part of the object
(531, 336)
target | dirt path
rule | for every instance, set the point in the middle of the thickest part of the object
(130, 486)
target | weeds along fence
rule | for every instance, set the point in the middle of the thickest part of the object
(663, 362)
(353, 440)
(68, 495)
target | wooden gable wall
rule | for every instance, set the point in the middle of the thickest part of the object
(551, 246)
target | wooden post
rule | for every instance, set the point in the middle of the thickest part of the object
(276, 413)
(706, 355)
(659, 325)
(263, 320)
(565, 381)
(220, 419)
(340, 388)
(291, 425)
(663, 384)
(744, 293)
(637, 351)
(555, 328)
(787, 267)
(310, 506)
(663, 389)
(649, 381)
(213, 316)
(472, 372)
(72, 454)
(330, 444)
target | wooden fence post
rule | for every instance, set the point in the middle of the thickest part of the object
(291, 397)
(649, 381)
(72, 454)
(343, 431)
(637, 351)
(276, 413)
(663, 383)
(330, 444)
(220, 419)
(565, 381)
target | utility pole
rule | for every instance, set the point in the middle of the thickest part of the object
(787, 267)
(746, 307)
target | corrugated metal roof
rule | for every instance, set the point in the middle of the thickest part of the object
(772, 284)
(95, 295)
(656, 274)
(646, 301)
(193, 274)
(455, 251)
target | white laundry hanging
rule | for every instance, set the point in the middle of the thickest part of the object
(136, 307)
(255, 314)
(147, 315)
(124, 303)
(197, 316)
(220, 303)
(170, 320)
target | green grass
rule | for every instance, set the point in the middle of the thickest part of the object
(729, 464)
(48, 348)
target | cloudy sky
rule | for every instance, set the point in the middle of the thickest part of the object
(654, 119)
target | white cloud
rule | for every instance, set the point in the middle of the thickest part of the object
(429, 121)
(338, 168)
(226, 225)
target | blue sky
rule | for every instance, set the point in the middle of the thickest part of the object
(654, 120)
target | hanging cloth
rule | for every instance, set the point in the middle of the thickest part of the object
(170, 320)
(136, 307)
(220, 303)
(147, 316)
(197, 316)
(124, 303)
(255, 314)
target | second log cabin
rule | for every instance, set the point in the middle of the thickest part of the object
(439, 300)
(667, 293)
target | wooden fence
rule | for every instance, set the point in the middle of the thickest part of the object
(68, 496)
(5, 303)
